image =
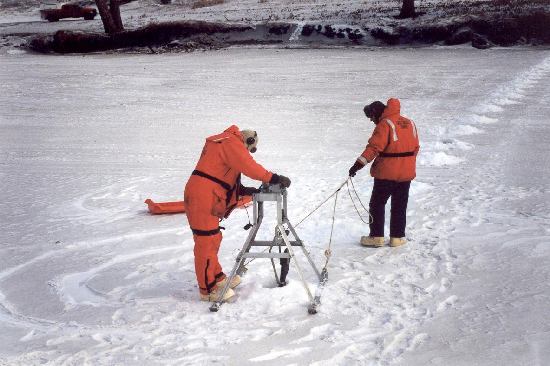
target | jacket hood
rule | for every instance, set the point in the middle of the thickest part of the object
(393, 107)
(234, 130)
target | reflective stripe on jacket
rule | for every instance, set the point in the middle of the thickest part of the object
(393, 146)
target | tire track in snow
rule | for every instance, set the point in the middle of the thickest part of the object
(10, 315)
(491, 225)
(111, 338)
(103, 205)
(484, 113)
(73, 288)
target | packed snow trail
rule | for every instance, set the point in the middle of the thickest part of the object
(502, 288)
(111, 284)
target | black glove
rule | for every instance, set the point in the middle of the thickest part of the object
(248, 191)
(357, 166)
(284, 181)
(280, 179)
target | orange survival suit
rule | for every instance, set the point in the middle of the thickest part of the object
(393, 137)
(211, 193)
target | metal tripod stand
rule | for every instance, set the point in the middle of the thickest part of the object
(281, 241)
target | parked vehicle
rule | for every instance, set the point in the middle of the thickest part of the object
(68, 11)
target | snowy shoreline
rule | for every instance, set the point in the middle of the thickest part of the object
(191, 35)
(285, 23)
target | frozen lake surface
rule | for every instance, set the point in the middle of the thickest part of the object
(87, 276)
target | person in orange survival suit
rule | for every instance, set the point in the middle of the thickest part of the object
(393, 146)
(212, 192)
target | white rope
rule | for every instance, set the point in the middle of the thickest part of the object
(322, 203)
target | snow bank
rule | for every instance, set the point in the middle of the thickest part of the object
(317, 23)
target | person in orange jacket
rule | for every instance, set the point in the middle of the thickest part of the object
(393, 147)
(212, 192)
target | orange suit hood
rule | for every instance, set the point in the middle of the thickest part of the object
(225, 156)
(231, 130)
(393, 109)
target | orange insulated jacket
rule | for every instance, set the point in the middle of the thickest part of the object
(393, 146)
(216, 179)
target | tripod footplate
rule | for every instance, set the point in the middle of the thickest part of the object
(312, 308)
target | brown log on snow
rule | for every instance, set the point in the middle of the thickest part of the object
(151, 35)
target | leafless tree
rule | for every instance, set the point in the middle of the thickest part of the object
(407, 10)
(109, 10)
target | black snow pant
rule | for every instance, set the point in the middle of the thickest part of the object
(399, 193)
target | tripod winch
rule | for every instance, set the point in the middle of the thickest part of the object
(285, 241)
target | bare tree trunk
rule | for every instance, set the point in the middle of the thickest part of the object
(110, 16)
(115, 13)
(407, 10)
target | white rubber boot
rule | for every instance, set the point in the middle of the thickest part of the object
(234, 282)
(372, 241)
(213, 296)
(397, 242)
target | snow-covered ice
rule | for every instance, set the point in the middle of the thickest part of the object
(87, 276)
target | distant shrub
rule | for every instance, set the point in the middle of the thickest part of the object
(206, 3)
